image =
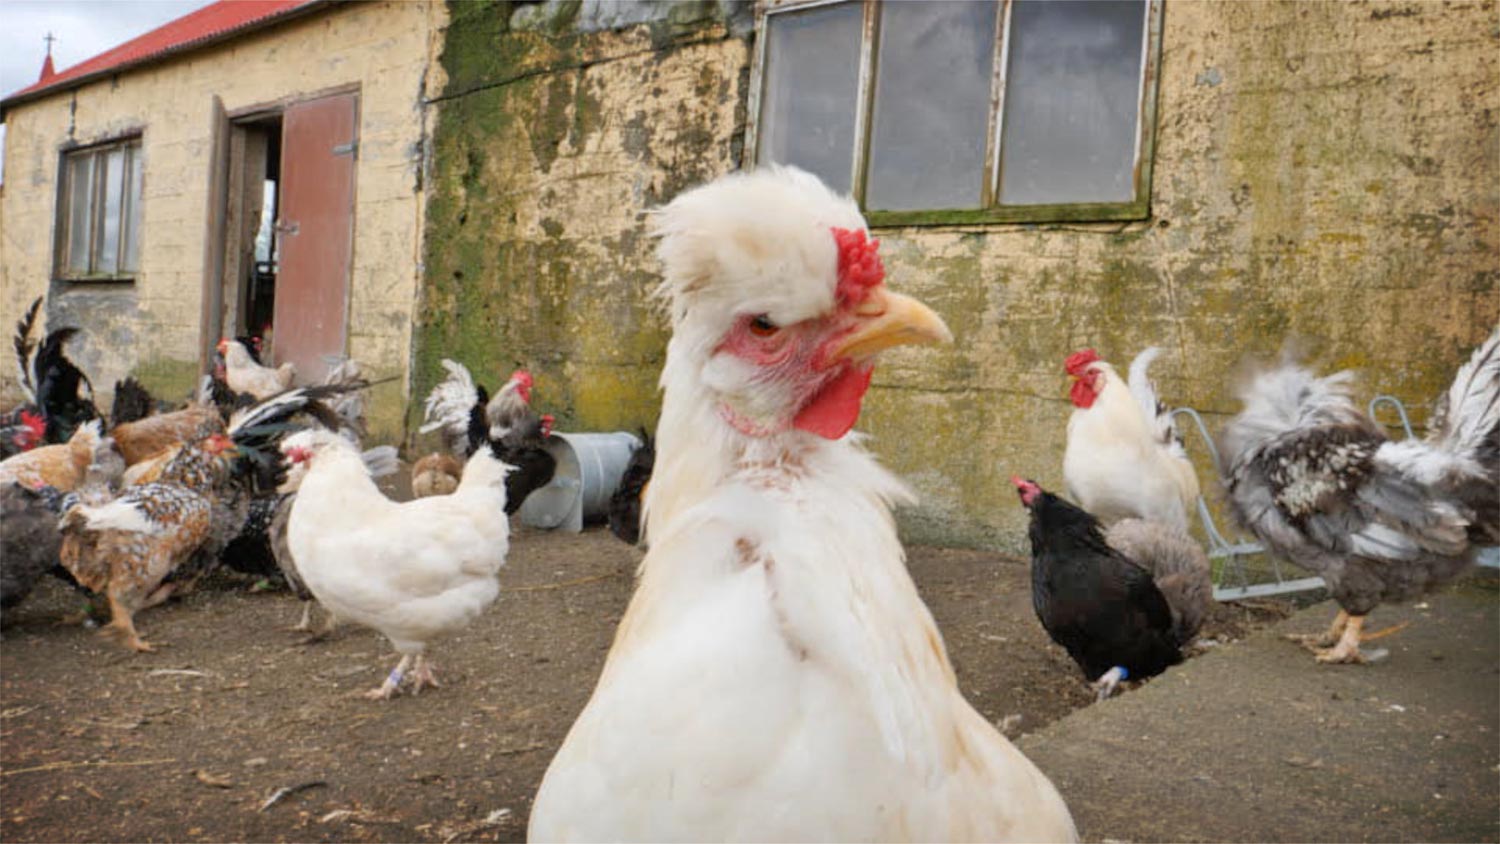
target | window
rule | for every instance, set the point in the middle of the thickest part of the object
(963, 111)
(99, 212)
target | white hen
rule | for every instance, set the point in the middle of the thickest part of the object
(1123, 458)
(416, 571)
(244, 375)
(776, 676)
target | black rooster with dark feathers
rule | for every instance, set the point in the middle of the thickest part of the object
(1104, 609)
(625, 502)
(132, 402)
(51, 381)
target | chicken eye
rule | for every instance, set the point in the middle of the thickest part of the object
(762, 326)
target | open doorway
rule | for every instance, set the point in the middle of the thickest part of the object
(255, 271)
(288, 231)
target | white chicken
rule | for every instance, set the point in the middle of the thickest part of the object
(1124, 458)
(244, 375)
(415, 571)
(777, 676)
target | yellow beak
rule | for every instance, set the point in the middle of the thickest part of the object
(890, 319)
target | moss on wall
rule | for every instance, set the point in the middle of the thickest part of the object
(553, 136)
(167, 378)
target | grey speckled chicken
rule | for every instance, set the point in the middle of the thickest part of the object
(1320, 484)
(29, 538)
(28, 541)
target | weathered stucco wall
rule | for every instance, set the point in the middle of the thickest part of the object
(151, 327)
(555, 133)
(1328, 172)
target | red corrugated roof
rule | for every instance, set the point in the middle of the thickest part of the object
(211, 23)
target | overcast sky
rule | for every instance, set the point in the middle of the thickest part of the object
(84, 29)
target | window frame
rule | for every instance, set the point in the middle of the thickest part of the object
(990, 211)
(132, 145)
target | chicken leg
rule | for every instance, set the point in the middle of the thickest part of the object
(1340, 645)
(122, 626)
(422, 675)
(1347, 649)
(1110, 680)
(392, 681)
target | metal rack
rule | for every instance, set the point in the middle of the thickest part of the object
(1231, 556)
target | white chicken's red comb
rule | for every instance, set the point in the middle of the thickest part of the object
(860, 268)
(1079, 359)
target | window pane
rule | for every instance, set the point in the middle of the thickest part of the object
(932, 94)
(133, 211)
(1072, 101)
(80, 184)
(809, 91)
(108, 260)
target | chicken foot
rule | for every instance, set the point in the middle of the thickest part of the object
(1110, 680)
(330, 621)
(1340, 644)
(1347, 650)
(422, 675)
(121, 626)
(305, 625)
(392, 681)
(1315, 641)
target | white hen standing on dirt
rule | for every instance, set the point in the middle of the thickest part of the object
(776, 676)
(417, 570)
(1123, 457)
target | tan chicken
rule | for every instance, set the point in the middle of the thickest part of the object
(246, 376)
(150, 437)
(435, 474)
(60, 466)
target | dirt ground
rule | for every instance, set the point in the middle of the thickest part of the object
(190, 742)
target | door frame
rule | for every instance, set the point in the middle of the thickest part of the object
(226, 160)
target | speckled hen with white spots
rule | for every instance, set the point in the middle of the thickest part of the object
(1320, 484)
(130, 548)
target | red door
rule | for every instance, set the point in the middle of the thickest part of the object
(316, 233)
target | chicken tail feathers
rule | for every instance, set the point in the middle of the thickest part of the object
(381, 460)
(1466, 419)
(24, 346)
(288, 403)
(132, 402)
(447, 406)
(63, 391)
(1157, 414)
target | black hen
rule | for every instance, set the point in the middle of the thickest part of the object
(1104, 609)
(625, 502)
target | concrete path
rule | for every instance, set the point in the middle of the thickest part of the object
(1256, 742)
